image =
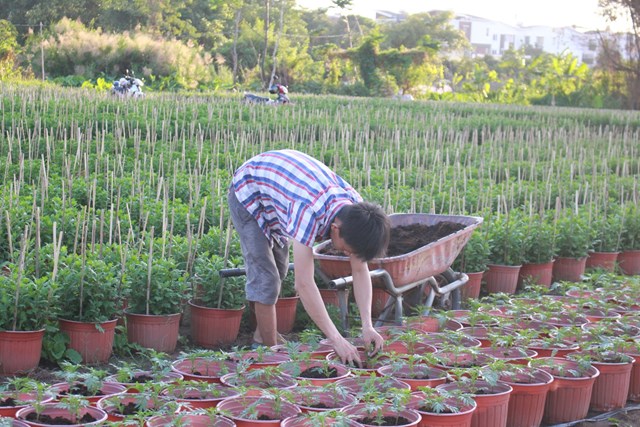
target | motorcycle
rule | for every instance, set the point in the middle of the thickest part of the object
(276, 88)
(128, 85)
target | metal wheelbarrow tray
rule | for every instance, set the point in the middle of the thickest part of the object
(407, 273)
(420, 264)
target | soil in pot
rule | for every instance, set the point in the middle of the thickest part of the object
(59, 420)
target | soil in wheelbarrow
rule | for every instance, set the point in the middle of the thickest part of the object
(408, 238)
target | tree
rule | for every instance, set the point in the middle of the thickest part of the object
(628, 64)
(432, 30)
(559, 74)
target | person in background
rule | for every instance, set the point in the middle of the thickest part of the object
(285, 195)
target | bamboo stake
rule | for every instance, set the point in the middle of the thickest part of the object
(23, 250)
(149, 268)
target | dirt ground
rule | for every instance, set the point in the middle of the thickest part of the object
(627, 417)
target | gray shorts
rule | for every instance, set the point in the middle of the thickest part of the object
(266, 266)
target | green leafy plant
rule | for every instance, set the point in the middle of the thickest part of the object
(211, 290)
(630, 238)
(155, 286)
(87, 289)
(573, 237)
(475, 254)
(443, 401)
(607, 230)
(26, 304)
(538, 240)
(506, 237)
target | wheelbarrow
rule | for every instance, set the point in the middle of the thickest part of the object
(423, 275)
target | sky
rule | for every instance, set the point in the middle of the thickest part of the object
(554, 13)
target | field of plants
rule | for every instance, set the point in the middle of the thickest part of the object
(100, 178)
(107, 200)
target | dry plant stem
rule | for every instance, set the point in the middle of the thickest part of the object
(149, 267)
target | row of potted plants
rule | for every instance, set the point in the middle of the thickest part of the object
(588, 332)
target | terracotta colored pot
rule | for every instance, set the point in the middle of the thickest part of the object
(318, 399)
(112, 405)
(527, 400)
(316, 372)
(611, 388)
(634, 384)
(21, 400)
(316, 351)
(471, 290)
(303, 421)
(258, 381)
(203, 369)
(359, 384)
(502, 278)
(493, 402)
(418, 375)
(198, 397)
(540, 274)
(236, 408)
(20, 351)
(214, 327)
(192, 420)
(158, 332)
(94, 341)
(286, 313)
(18, 423)
(53, 410)
(569, 269)
(629, 262)
(602, 260)
(379, 298)
(60, 390)
(568, 397)
(262, 359)
(516, 355)
(361, 414)
(462, 418)
(330, 296)
(139, 378)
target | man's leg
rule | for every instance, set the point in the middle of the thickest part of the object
(263, 279)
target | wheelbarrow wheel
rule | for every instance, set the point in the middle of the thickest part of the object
(451, 300)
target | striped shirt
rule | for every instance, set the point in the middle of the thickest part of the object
(291, 195)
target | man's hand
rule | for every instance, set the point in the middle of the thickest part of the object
(347, 352)
(372, 339)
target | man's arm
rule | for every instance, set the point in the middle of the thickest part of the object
(362, 291)
(314, 305)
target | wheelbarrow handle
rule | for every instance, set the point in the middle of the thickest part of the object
(240, 271)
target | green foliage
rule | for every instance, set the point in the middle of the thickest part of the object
(475, 255)
(87, 289)
(25, 304)
(538, 240)
(573, 237)
(167, 286)
(506, 237)
(74, 50)
(631, 228)
(213, 291)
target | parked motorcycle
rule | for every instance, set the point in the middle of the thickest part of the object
(128, 85)
(276, 88)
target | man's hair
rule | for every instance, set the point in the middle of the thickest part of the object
(366, 229)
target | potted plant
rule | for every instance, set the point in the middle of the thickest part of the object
(607, 235)
(472, 261)
(505, 235)
(331, 418)
(573, 240)
(87, 290)
(204, 365)
(70, 411)
(266, 410)
(25, 309)
(90, 384)
(568, 399)
(388, 409)
(629, 257)
(270, 377)
(322, 398)
(218, 303)
(124, 406)
(415, 370)
(611, 387)
(316, 372)
(530, 387)
(491, 396)
(538, 252)
(199, 418)
(443, 408)
(286, 305)
(20, 392)
(197, 394)
(156, 289)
